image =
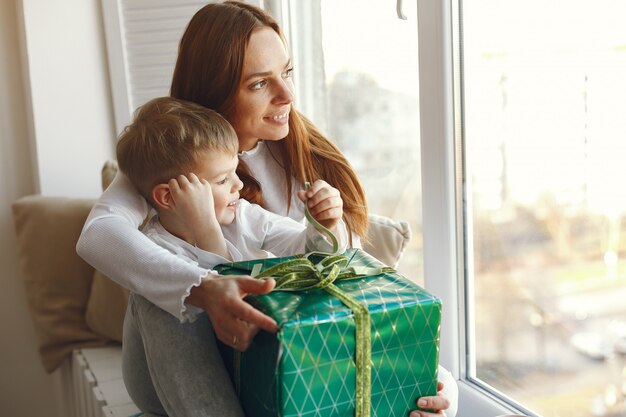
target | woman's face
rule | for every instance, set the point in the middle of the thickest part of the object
(265, 93)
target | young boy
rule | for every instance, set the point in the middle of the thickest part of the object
(182, 158)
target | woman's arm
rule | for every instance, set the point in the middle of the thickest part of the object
(111, 243)
(258, 228)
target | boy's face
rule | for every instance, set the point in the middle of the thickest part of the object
(218, 168)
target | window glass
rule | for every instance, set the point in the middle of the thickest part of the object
(545, 144)
(372, 107)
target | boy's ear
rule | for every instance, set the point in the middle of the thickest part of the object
(161, 196)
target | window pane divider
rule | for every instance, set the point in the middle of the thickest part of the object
(445, 263)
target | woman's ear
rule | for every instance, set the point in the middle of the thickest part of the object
(162, 196)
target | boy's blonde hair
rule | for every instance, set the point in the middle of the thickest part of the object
(165, 139)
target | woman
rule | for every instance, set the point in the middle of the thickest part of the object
(232, 58)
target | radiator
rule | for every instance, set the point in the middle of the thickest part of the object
(92, 384)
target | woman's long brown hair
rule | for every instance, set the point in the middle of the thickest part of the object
(208, 71)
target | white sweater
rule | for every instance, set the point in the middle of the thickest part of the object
(111, 242)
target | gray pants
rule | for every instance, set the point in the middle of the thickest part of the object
(172, 368)
(175, 369)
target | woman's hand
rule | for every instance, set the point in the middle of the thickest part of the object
(324, 203)
(437, 404)
(234, 321)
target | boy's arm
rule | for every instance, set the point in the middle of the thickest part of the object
(194, 212)
(212, 240)
(207, 259)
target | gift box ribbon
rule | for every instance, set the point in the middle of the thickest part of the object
(302, 274)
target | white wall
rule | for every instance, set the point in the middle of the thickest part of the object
(55, 143)
(25, 390)
(68, 81)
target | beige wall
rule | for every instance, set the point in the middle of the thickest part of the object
(25, 389)
(54, 104)
(68, 88)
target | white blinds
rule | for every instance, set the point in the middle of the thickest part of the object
(142, 42)
(152, 30)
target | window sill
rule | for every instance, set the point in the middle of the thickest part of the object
(477, 402)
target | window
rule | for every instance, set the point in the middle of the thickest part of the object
(543, 132)
(364, 85)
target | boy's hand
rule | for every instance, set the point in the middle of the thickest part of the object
(193, 203)
(194, 207)
(324, 202)
(437, 404)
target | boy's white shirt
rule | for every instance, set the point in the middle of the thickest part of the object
(254, 234)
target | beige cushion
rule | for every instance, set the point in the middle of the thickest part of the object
(107, 300)
(109, 170)
(106, 307)
(387, 239)
(57, 281)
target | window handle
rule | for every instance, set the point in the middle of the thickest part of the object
(399, 10)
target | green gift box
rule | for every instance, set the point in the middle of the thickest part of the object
(308, 368)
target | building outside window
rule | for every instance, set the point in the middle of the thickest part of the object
(544, 144)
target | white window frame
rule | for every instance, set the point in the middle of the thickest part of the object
(444, 196)
(118, 62)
